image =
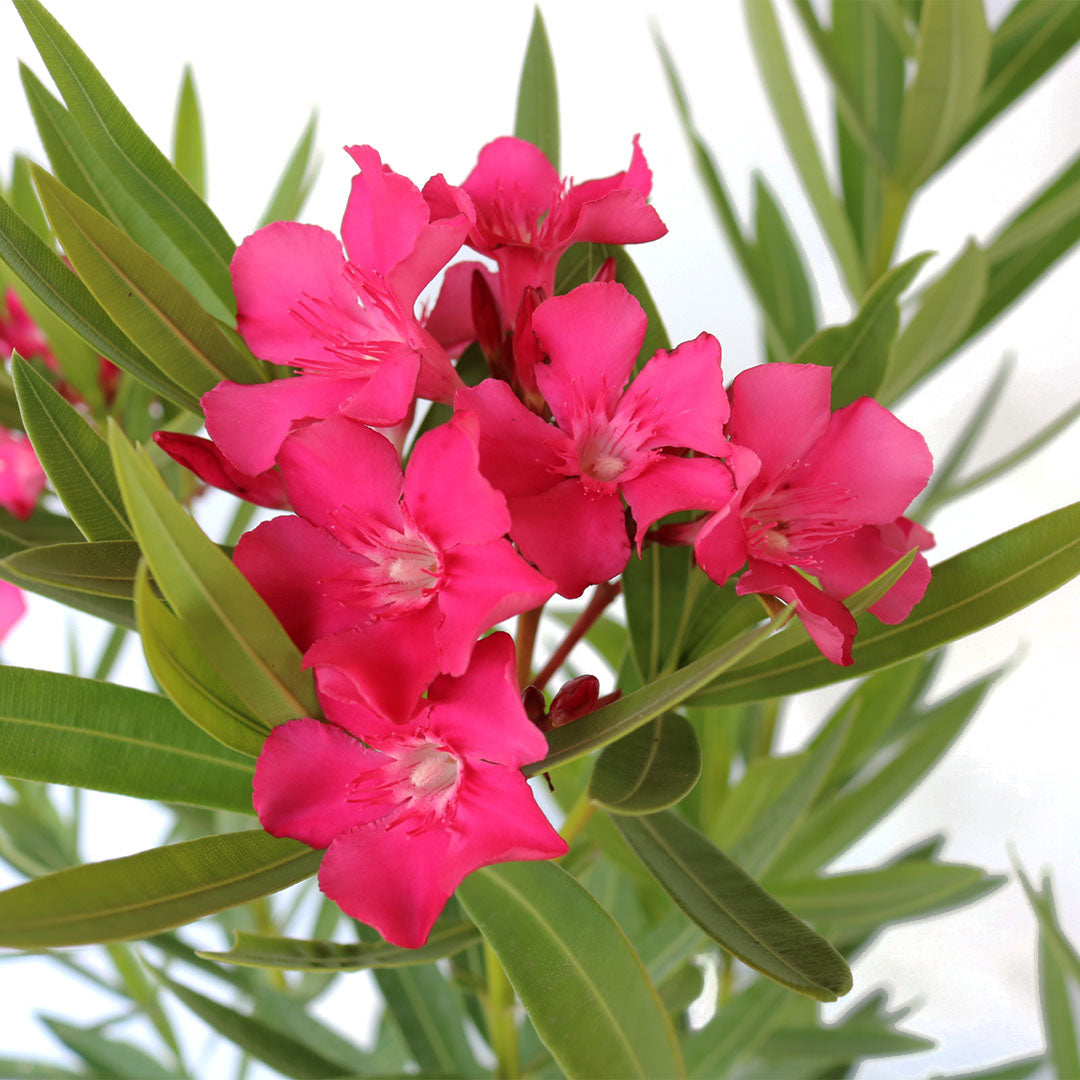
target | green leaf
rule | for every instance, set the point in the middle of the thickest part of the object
(567, 959)
(183, 671)
(945, 311)
(43, 272)
(736, 1031)
(154, 890)
(733, 909)
(1059, 1024)
(328, 957)
(839, 821)
(858, 351)
(24, 1069)
(840, 1043)
(854, 904)
(787, 105)
(296, 181)
(953, 54)
(967, 592)
(650, 769)
(109, 1055)
(74, 456)
(189, 151)
(41, 527)
(537, 117)
(150, 305)
(1011, 1070)
(1030, 40)
(166, 216)
(228, 620)
(782, 270)
(63, 730)
(632, 711)
(24, 198)
(103, 569)
(262, 1041)
(655, 590)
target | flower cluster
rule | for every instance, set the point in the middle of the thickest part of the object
(545, 479)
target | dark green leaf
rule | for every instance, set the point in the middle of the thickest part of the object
(295, 184)
(655, 589)
(73, 455)
(103, 569)
(166, 216)
(63, 730)
(733, 909)
(189, 152)
(649, 769)
(967, 592)
(537, 118)
(567, 960)
(154, 890)
(109, 1055)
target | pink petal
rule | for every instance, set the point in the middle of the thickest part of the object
(851, 562)
(720, 547)
(513, 169)
(522, 268)
(279, 406)
(830, 625)
(485, 584)
(22, 478)
(680, 397)
(444, 492)
(295, 567)
(12, 607)
(387, 396)
(384, 216)
(383, 665)
(592, 337)
(480, 715)
(274, 270)
(620, 217)
(638, 177)
(518, 831)
(671, 484)
(389, 879)
(451, 321)
(779, 411)
(542, 523)
(867, 451)
(436, 245)
(302, 778)
(341, 463)
(518, 451)
(211, 466)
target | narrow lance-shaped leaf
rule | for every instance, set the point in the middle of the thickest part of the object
(295, 184)
(733, 909)
(567, 959)
(106, 568)
(154, 890)
(189, 151)
(73, 455)
(967, 592)
(108, 1056)
(227, 619)
(537, 117)
(170, 219)
(655, 591)
(24, 200)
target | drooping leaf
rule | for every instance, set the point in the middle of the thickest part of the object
(858, 351)
(566, 960)
(73, 455)
(296, 181)
(227, 619)
(648, 770)
(154, 890)
(733, 909)
(189, 151)
(967, 592)
(537, 117)
(63, 730)
(165, 215)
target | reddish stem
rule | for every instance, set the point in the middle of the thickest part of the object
(606, 591)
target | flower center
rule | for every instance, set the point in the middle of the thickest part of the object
(790, 524)
(605, 449)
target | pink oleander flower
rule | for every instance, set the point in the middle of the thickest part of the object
(22, 479)
(524, 216)
(407, 805)
(349, 325)
(12, 607)
(565, 482)
(818, 493)
(416, 563)
(19, 333)
(212, 467)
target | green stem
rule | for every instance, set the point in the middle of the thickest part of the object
(727, 978)
(500, 1016)
(241, 519)
(578, 818)
(765, 731)
(110, 653)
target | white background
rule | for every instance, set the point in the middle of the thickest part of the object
(427, 84)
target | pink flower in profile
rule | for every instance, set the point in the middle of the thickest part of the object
(408, 805)
(212, 467)
(19, 333)
(565, 483)
(524, 216)
(415, 564)
(819, 491)
(348, 324)
(22, 478)
(12, 607)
